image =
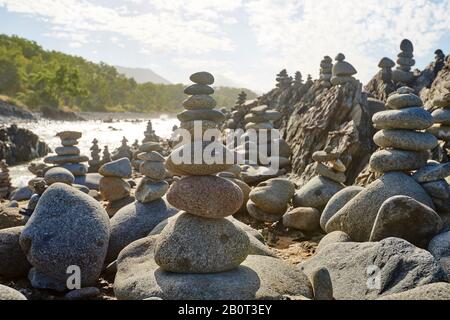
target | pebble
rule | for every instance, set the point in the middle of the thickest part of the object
(405, 140)
(150, 146)
(65, 159)
(206, 196)
(202, 77)
(148, 191)
(397, 160)
(63, 151)
(82, 294)
(304, 219)
(408, 118)
(200, 101)
(153, 170)
(181, 246)
(316, 193)
(77, 169)
(113, 188)
(400, 101)
(198, 89)
(260, 215)
(57, 174)
(273, 196)
(120, 168)
(69, 142)
(9, 294)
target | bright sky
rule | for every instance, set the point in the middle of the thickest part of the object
(247, 41)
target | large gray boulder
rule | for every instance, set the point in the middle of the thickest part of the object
(439, 247)
(68, 228)
(13, 262)
(369, 270)
(136, 221)
(357, 217)
(434, 291)
(259, 277)
(7, 293)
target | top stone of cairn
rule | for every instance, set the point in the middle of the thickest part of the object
(202, 77)
(407, 46)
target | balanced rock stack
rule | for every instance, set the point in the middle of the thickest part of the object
(270, 199)
(106, 156)
(113, 188)
(5, 180)
(441, 116)
(326, 72)
(198, 255)
(283, 80)
(342, 71)
(94, 163)
(311, 200)
(298, 79)
(404, 147)
(68, 156)
(124, 151)
(200, 105)
(405, 61)
(242, 98)
(386, 66)
(150, 135)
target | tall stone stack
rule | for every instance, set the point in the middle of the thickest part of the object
(342, 71)
(283, 80)
(405, 62)
(242, 98)
(405, 148)
(298, 79)
(150, 135)
(124, 151)
(68, 156)
(439, 60)
(113, 188)
(441, 116)
(5, 180)
(106, 156)
(198, 255)
(94, 163)
(386, 66)
(326, 72)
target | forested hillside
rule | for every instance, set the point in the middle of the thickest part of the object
(38, 78)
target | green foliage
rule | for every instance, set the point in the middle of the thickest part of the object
(41, 78)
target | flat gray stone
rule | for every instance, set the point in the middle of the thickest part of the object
(198, 89)
(57, 174)
(119, 168)
(322, 285)
(316, 193)
(13, 262)
(7, 293)
(333, 237)
(64, 151)
(201, 114)
(432, 172)
(65, 159)
(136, 221)
(369, 270)
(258, 278)
(327, 172)
(433, 291)
(153, 170)
(202, 77)
(398, 160)
(357, 217)
(408, 118)
(66, 135)
(181, 248)
(405, 140)
(199, 101)
(67, 228)
(405, 218)
(336, 203)
(304, 219)
(77, 169)
(437, 189)
(21, 194)
(148, 191)
(400, 101)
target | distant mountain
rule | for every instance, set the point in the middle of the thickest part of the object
(142, 75)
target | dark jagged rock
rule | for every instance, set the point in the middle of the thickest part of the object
(19, 145)
(58, 114)
(9, 110)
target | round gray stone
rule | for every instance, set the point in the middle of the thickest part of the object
(180, 247)
(13, 262)
(408, 118)
(273, 196)
(205, 114)
(198, 89)
(333, 237)
(398, 160)
(202, 77)
(400, 101)
(66, 159)
(316, 193)
(405, 140)
(119, 168)
(77, 169)
(304, 219)
(442, 116)
(153, 170)
(199, 101)
(148, 191)
(57, 174)
(64, 151)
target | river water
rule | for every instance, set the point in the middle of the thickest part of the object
(109, 134)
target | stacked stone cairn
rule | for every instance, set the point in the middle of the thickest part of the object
(5, 180)
(94, 163)
(150, 135)
(269, 201)
(283, 80)
(386, 66)
(395, 205)
(311, 200)
(113, 188)
(441, 116)
(124, 151)
(298, 79)
(326, 72)
(242, 98)
(342, 71)
(106, 156)
(309, 80)
(68, 156)
(198, 254)
(405, 62)
(439, 60)
(404, 147)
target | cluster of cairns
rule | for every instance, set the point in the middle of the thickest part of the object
(441, 116)
(124, 151)
(113, 188)
(5, 180)
(342, 71)
(405, 62)
(326, 72)
(174, 263)
(95, 162)
(68, 155)
(310, 201)
(283, 80)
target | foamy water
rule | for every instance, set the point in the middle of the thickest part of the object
(109, 134)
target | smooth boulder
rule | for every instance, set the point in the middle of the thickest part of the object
(316, 193)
